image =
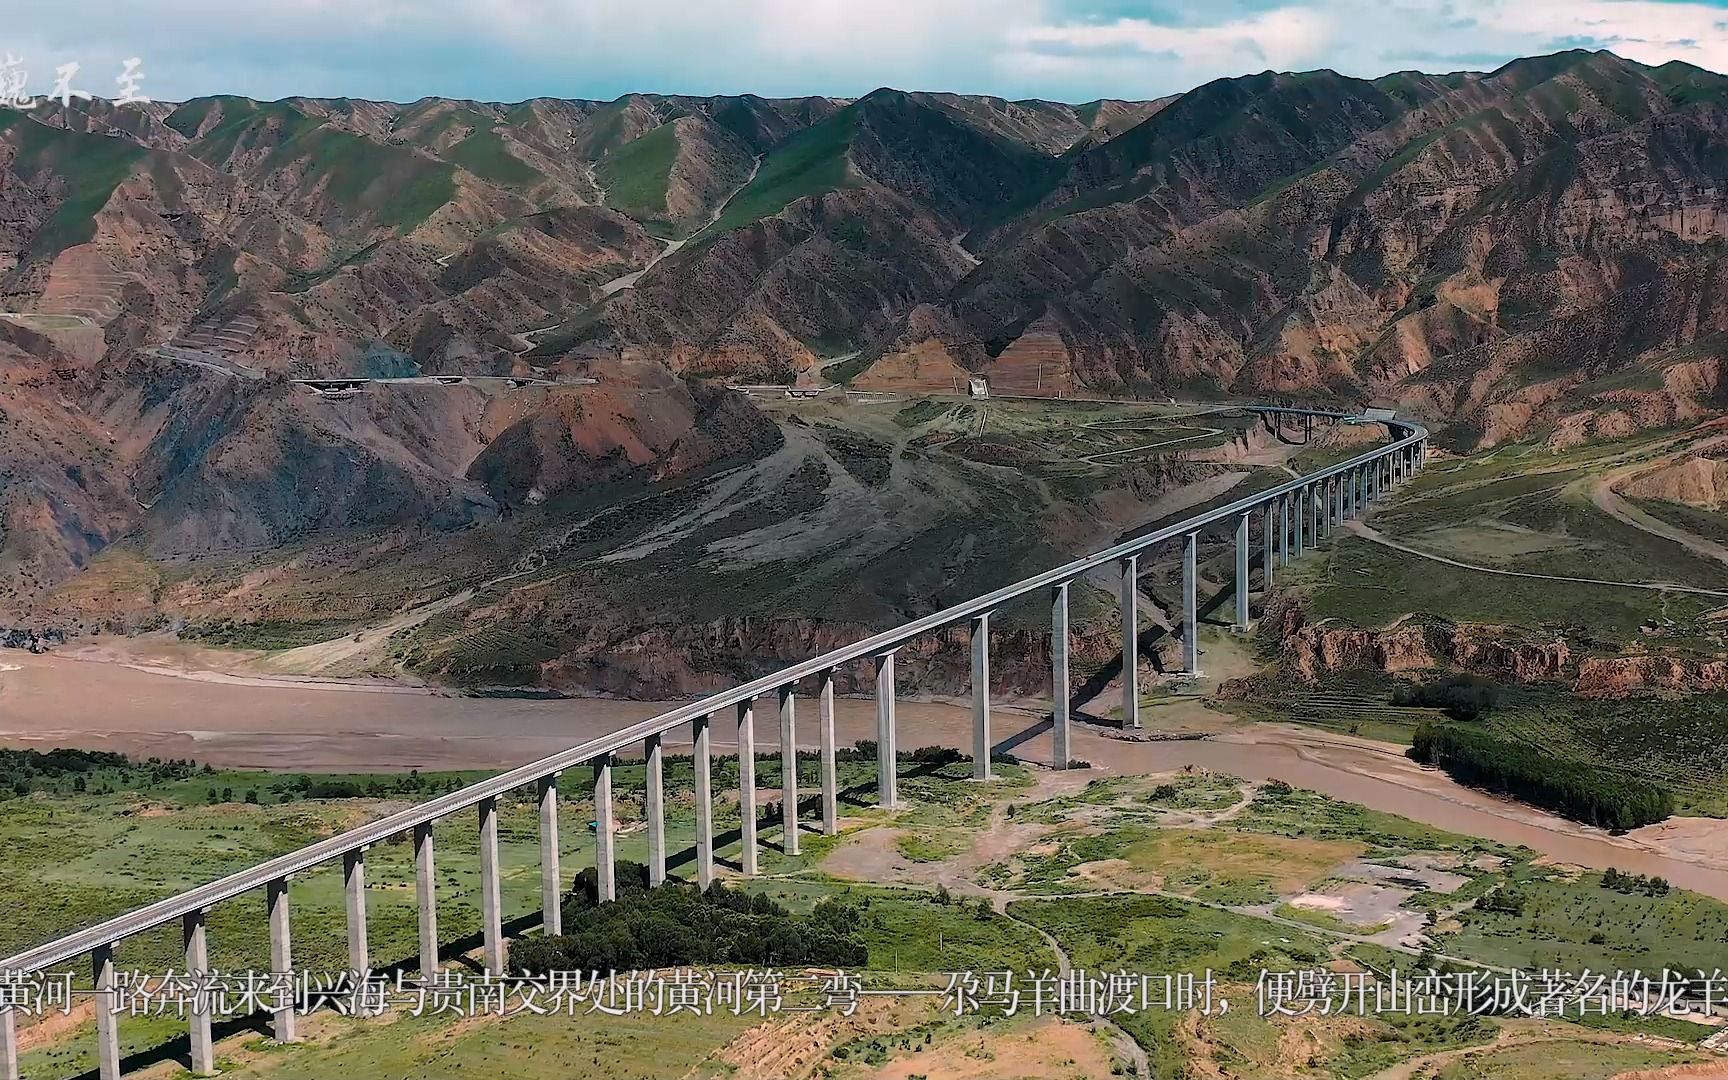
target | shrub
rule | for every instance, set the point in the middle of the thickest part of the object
(678, 924)
(1462, 697)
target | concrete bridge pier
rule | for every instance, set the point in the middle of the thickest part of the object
(825, 740)
(1284, 532)
(426, 897)
(1241, 624)
(551, 875)
(354, 892)
(605, 838)
(1268, 540)
(107, 1020)
(654, 806)
(788, 772)
(981, 697)
(1130, 607)
(887, 789)
(281, 954)
(8, 1045)
(747, 785)
(202, 1045)
(1190, 604)
(491, 907)
(1060, 732)
(704, 769)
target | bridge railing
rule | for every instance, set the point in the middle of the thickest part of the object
(1297, 513)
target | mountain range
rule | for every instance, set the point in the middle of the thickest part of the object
(1529, 253)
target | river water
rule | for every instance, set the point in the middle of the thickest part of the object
(57, 700)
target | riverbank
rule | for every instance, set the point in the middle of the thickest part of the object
(116, 701)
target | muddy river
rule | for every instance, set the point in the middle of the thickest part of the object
(59, 700)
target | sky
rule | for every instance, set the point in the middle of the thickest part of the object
(1070, 50)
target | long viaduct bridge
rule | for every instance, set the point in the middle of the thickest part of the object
(1294, 516)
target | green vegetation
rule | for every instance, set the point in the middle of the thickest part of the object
(91, 167)
(1462, 697)
(1679, 743)
(1479, 758)
(677, 925)
(635, 175)
(809, 163)
(487, 155)
(1595, 922)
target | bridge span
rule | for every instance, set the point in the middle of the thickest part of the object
(1295, 515)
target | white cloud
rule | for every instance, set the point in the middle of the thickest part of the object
(508, 49)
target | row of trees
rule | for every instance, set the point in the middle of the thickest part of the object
(1580, 792)
(678, 924)
(24, 771)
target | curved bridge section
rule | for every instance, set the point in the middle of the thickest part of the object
(1294, 515)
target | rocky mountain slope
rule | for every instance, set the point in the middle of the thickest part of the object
(1529, 253)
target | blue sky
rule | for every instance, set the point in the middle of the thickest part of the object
(1073, 50)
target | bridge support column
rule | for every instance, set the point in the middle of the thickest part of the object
(1268, 538)
(788, 772)
(1299, 514)
(981, 697)
(654, 806)
(1191, 604)
(1241, 624)
(825, 741)
(887, 761)
(551, 874)
(426, 897)
(1284, 532)
(605, 835)
(8, 1045)
(1316, 496)
(1061, 751)
(747, 785)
(202, 1045)
(704, 765)
(107, 1020)
(1129, 602)
(281, 955)
(491, 905)
(354, 892)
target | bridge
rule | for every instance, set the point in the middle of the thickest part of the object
(1295, 515)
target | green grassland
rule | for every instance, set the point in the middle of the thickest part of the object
(1527, 510)
(90, 166)
(488, 156)
(635, 175)
(812, 162)
(131, 835)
